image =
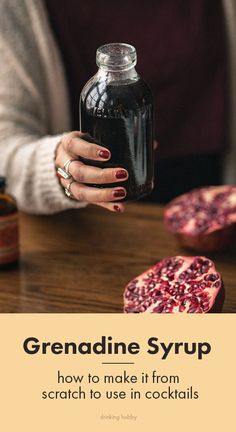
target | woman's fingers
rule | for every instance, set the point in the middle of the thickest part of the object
(89, 194)
(89, 174)
(114, 207)
(74, 144)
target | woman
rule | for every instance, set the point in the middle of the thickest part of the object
(36, 109)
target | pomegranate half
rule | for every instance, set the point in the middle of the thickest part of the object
(203, 219)
(176, 284)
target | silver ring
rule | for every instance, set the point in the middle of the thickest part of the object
(64, 171)
(67, 190)
(66, 165)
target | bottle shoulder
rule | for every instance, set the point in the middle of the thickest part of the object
(129, 94)
(87, 87)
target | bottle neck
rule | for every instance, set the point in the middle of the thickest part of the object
(112, 75)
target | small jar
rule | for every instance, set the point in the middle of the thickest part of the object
(9, 228)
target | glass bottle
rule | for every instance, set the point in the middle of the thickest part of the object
(9, 232)
(116, 110)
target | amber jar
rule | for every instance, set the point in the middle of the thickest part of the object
(9, 230)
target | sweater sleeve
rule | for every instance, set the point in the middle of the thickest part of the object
(31, 119)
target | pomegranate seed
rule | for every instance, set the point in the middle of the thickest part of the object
(211, 277)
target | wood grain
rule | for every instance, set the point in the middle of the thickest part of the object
(80, 261)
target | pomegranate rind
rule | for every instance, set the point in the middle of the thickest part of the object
(203, 219)
(219, 301)
(212, 242)
(176, 284)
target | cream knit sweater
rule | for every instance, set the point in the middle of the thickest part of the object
(34, 108)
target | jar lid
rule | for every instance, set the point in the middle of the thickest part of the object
(2, 182)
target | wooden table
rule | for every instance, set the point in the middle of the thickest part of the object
(80, 261)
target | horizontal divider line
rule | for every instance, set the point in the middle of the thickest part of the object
(117, 362)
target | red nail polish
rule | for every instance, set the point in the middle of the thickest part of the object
(121, 174)
(117, 208)
(119, 193)
(104, 154)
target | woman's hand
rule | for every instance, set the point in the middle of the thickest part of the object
(73, 146)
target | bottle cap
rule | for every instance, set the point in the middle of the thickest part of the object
(2, 182)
